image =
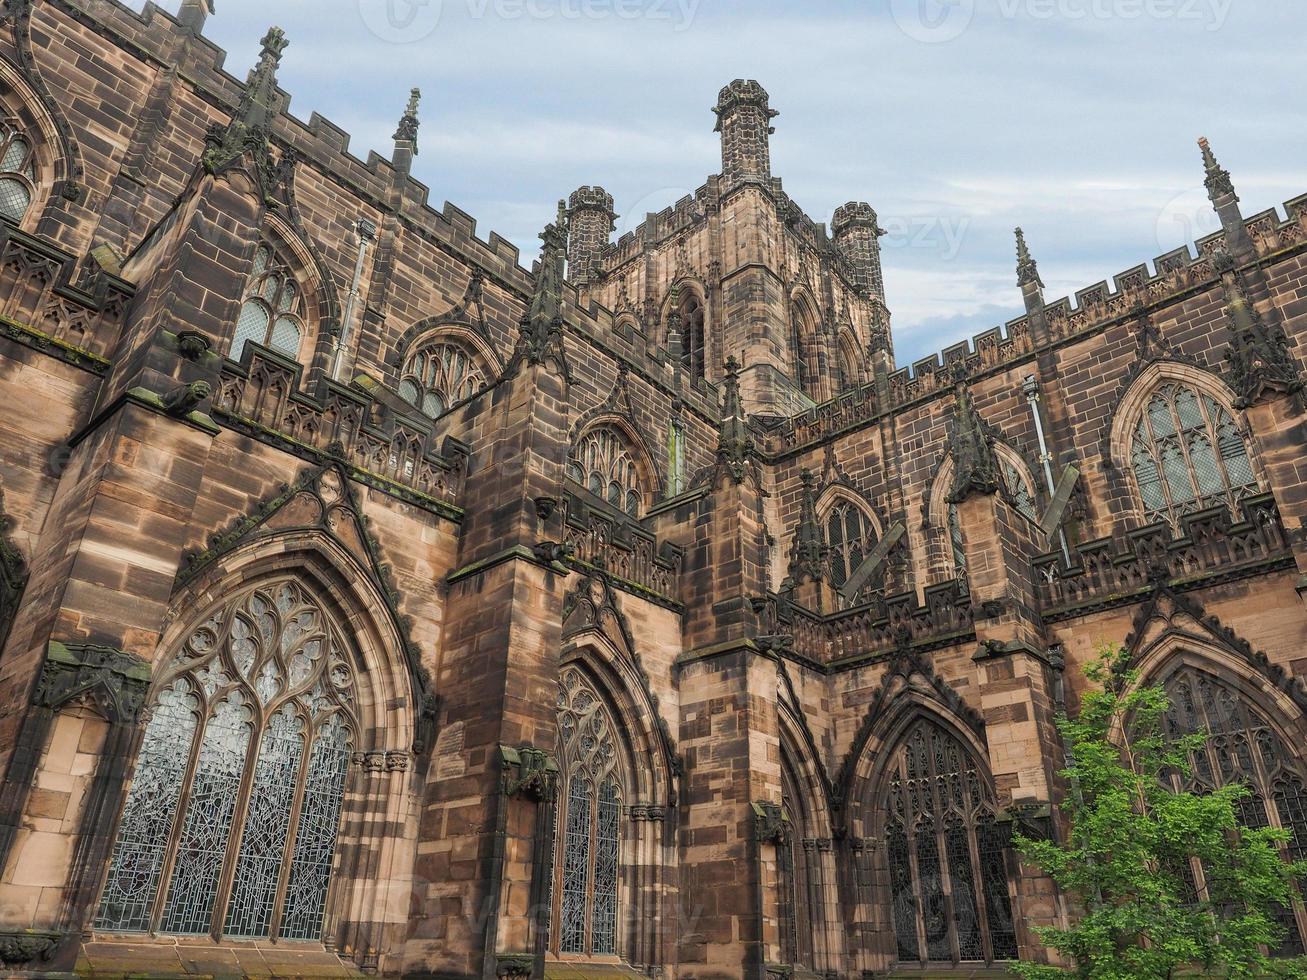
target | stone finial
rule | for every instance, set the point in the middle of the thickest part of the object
(1027, 268)
(259, 105)
(1218, 178)
(1261, 365)
(541, 338)
(975, 467)
(808, 556)
(734, 441)
(407, 132)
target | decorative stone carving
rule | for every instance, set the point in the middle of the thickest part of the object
(808, 555)
(975, 467)
(408, 123)
(514, 965)
(115, 683)
(540, 339)
(769, 823)
(1260, 364)
(27, 946)
(183, 399)
(1027, 269)
(735, 446)
(528, 772)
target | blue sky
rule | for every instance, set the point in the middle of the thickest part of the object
(955, 119)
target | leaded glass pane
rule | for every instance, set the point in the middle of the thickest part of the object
(267, 822)
(1159, 416)
(1208, 471)
(148, 815)
(605, 873)
(286, 336)
(204, 837)
(1177, 474)
(252, 325)
(962, 884)
(934, 909)
(576, 867)
(902, 895)
(14, 198)
(955, 540)
(994, 881)
(14, 156)
(445, 373)
(315, 835)
(1022, 497)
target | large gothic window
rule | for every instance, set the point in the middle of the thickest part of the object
(589, 822)
(272, 313)
(440, 375)
(795, 856)
(230, 824)
(17, 171)
(1241, 747)
(602, 462)
(1187, 454)
(947, 856)
(693, 341)
(851, 537)
(801, 345)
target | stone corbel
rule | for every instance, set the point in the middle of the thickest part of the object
(514, 965)
(528, 772)
(116, 682)
(1032, 819)
(21, 946)
(769, 823)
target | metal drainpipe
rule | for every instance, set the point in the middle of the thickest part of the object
(1030, 387)
(366, 231)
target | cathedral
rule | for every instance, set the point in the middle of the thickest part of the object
(371, 604)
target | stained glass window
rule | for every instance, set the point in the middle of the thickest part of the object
(1241, 747)
(589, 865)
(795, 871)
(440, 375)
(851, 537)
(264, 677)
(949, 884)
(17, 171)
(1187, 454)
(271, 314)
(603, 463)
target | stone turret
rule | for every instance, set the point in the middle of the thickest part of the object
(744, 120)
(857, 235)
(590, 219)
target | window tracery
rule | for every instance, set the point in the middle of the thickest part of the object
(603, 463)
(1187, 454)
(440, 375)
(590, 839)
(947, 858)
(17, 171)
(266, 688)
(851, 537)
(272, 312)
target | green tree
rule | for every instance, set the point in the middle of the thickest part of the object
(1131, 839)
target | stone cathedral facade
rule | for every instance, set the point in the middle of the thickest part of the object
(371, 604)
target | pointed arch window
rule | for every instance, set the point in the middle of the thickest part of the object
(947, 855)
(795, 857)
(229, 828)
(1188, 454)
(603, 463)
(588, 863)
(440, 375)
(693, 341)
(1241, 747)
(17, 171)
(800, 341)
(272, 312)
(851, 537)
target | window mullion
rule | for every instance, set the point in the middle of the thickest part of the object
(293, 826)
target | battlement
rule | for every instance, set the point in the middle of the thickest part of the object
(591, 198)
(853, 214)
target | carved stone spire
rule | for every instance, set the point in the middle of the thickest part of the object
(541, 338)
(259, 105)
(1027, 269)
(1261, 365)
(735, 442)
(408, 123)
(1220, 191)
(975, 468)
(807, 557)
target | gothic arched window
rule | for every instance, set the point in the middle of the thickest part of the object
(1241, 747)
(796, 856)
(230, 824)
(851, 537)
(693, 341)
(800, 341)
(956, 547)
(17, 171)
(272, 313)
(1019, 489)
(589, 822)
(438, 376)
(947, 856)
(602, 462)
(1187, 454)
